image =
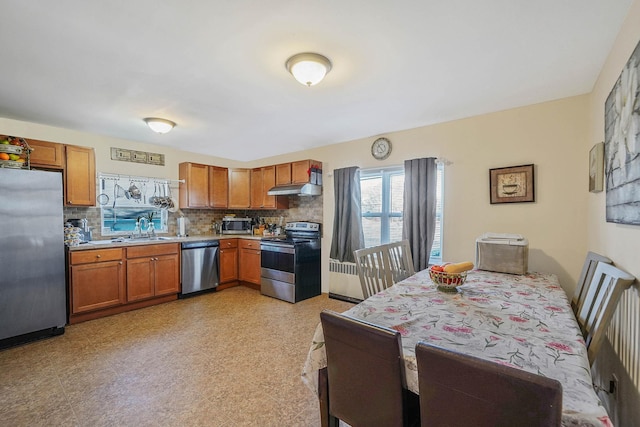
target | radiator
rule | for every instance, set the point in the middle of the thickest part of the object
(344, 282)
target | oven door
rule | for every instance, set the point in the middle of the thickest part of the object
(278, 262)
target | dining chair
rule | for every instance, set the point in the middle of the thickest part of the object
(601, 300)
(365, 372)
(456, 389)
(588, 268)
(400, 260)
(374, 269)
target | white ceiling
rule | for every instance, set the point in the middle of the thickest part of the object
(217, 67)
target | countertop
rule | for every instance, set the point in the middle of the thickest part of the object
(163, 239)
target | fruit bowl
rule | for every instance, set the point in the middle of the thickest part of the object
(12, 164)
(447, 282)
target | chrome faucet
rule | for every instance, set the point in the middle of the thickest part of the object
(140, 227)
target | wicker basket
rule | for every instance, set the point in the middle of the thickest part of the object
(447, 282)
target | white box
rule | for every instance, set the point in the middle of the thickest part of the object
(502, 253)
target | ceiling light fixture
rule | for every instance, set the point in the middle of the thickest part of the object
(159, 125)
(308, 68)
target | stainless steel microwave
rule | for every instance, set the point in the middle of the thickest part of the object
(236, 225)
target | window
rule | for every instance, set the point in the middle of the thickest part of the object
(382, 197)
(119, 211)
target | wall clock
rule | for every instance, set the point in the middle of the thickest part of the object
(381, 148)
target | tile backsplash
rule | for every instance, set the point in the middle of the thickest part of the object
(199, 221)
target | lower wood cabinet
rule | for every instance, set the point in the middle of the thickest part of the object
(228, 261)
(249, 261)
(109, 281)
(152, 270)
(97, 280)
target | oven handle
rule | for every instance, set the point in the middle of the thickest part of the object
(277, 248)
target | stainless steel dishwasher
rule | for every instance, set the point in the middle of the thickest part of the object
(200, 267)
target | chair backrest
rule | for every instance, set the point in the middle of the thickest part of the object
(374, 269)
(600, 303)
(400, 260)
(457, 389)
(365, 371)
(588, 268)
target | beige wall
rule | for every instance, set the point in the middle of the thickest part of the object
(550, 135)
(620, 242)
(620, 356)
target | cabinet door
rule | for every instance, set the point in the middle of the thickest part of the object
(300, 171)
(239, 188)
(194, 192)
(96, 285)
(167, 280)
(140, 278)
(218, 187)
(249, 268)
(228, 264)
(46, 154)
(283, 174)
(80, 176)
(257, 189)
(268, 182)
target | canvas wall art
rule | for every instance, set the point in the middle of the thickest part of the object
(596, 167)
(622, 145)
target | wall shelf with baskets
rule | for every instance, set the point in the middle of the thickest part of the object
(14, 153)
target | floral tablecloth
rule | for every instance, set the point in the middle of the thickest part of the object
(522, 321)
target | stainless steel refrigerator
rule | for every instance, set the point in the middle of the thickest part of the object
(32, 259)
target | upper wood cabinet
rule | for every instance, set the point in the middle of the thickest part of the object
(46, 154)
(78, 165)
(239, 188)
(194, 192)
(262, 180)
(204, 187)
(283, 174)
(80, 176)
(300, 171)
(218, 187)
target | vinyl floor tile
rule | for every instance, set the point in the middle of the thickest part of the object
(229, 358)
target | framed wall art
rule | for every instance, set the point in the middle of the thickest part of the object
(622, 145)
(596, 167)
(514, 184)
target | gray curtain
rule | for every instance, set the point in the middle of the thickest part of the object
(419, 216)
(347, 219)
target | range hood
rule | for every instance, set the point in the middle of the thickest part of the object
(296, 190)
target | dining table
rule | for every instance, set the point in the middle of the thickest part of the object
(523, 321)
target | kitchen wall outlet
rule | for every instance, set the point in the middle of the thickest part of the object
(613, 386)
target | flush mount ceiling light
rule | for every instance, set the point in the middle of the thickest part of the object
(159, 125)
(308, 68)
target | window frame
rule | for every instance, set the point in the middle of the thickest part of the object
(386, 214)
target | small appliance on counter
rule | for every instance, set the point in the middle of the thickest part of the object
(502, 253)
(233, 225)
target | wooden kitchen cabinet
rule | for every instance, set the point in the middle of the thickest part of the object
(249, 261)
(204, 187)
(96, 280)
(262, 180)
(194, 192)
(80, 176)
(228, 260)
(152, 270)
(239, 188)
(283, 174)
(46, 154)
(300, 171)
(218, 187)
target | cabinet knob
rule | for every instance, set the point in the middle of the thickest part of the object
(120, 263)
(98, 256)
(69, 202)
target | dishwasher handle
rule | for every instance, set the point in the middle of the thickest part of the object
(200, 244)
